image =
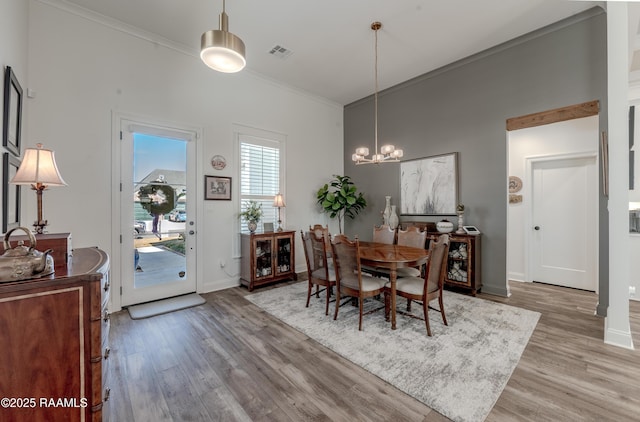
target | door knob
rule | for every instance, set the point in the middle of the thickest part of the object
(192, 232)
(537, 228)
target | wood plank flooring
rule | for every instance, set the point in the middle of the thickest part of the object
(228, 361)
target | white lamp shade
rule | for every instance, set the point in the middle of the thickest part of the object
(222, 51)
(387, 149)
(278, 201)
(38, 166)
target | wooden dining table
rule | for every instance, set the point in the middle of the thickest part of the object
(391, 257)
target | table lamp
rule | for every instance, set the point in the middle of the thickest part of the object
(39, 170)
(278, 201)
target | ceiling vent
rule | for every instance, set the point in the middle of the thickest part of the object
(280, 52)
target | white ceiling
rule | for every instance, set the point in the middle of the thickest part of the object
(331, 40)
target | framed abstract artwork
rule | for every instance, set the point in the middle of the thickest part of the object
(429, 186)
(12, 112)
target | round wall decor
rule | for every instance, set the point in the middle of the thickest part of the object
(218, 162)
(515, 184)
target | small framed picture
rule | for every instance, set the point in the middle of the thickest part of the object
(10, 193)
(268, 227)
(217, 188)
(12, 112)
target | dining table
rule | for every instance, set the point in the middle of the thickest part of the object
(391, 257)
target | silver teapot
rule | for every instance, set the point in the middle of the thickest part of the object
(22, 262)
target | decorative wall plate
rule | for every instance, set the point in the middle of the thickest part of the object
(515, 184)
(218, 162)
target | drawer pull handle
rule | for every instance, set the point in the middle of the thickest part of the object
(107, 351)
(107, 393)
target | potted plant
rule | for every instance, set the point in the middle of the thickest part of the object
(339, 198)
(252, 214)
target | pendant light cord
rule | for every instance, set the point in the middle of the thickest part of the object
(375, 95)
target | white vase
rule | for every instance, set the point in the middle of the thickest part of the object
(393, 218)
(387, 210)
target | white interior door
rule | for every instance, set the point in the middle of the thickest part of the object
(158, 241)
(564, 222)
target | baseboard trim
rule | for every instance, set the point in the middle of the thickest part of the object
(617, 338)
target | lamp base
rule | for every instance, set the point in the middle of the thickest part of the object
(279, 226)
(39, 226)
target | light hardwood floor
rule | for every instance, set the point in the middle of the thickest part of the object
(228, 361)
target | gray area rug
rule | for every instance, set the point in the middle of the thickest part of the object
(459, 372)
(164, 306)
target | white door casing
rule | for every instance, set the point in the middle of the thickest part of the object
(123, 249)
(562, 223)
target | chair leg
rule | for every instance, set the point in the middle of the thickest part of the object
(409, 305)
(425, 307)
(309, 290)
(335, 314)
(326, 310)
(361, 303)
(318, 291)
(387, 305)
(444, 318)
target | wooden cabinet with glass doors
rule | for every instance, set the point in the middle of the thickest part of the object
(463, 264)
(267, 257)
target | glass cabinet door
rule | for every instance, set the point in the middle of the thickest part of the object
(263, 253)
(283, 264)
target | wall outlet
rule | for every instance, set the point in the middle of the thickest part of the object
(632, 291)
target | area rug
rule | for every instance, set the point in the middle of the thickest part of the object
(460, 372)
(158, 307)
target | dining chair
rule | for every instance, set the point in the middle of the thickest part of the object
(384, 234)
(350, 280)
(320, 270)
(416, 238)
(381, 234)
(320, 230)
(427, 288)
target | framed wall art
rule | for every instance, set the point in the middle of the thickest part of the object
(429, 186)
(12, 112)
(217, 188)
(10, 193)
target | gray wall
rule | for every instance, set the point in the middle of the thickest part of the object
(463, 107)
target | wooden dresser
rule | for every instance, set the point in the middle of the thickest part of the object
(54, 343)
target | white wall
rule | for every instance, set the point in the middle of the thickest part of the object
(83, 70)
(13, 52)
(577, 135)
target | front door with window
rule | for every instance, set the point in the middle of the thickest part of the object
(157, 214)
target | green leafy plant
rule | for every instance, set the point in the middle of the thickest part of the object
(339, 198)
(253, 212)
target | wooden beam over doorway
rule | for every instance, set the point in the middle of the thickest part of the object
(577, 111)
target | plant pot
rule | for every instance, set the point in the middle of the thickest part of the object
(252, 226)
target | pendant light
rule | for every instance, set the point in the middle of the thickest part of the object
(220, 49)
(388, 153)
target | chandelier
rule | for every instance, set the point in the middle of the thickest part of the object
(388, 153)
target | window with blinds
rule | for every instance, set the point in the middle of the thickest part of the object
(259, 177)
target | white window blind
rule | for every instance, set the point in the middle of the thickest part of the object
(259, 177)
